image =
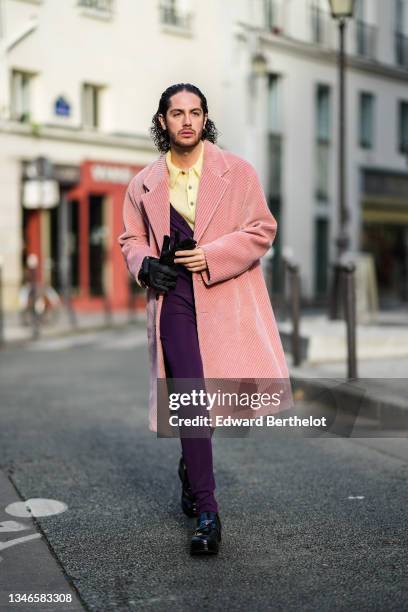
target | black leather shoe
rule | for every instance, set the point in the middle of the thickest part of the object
(188, 503)
(207, 535)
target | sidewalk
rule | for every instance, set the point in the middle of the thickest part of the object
(28, 563)
(382, 367)
(16, 333)
(323, 340)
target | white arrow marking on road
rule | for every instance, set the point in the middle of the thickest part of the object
(16, 541)
(4, 545)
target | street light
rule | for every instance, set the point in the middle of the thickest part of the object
(340, 10)
(259, 64)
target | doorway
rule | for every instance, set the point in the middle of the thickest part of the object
(389, 246)
(97, 245)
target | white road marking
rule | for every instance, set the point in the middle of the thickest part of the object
(4, 545)
(36, 506)
(7, 526)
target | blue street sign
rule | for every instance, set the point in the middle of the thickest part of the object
(62, 107)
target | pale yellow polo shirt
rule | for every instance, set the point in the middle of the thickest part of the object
(183, 187)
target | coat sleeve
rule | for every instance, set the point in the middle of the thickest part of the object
(134, 239)
(234, 253)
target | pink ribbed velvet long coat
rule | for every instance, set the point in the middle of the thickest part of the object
(237, 331)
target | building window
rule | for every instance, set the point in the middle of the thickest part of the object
(274, 194)
(401, 39)
(323, 113)
(275, 166)
(323, 128)
(176, 13)
(321, 24)
(274, 104)
(366, 120)
(273, 15)
(403, 127)
(91, 106)
(366, 34)
(21, 86)
(399, 15)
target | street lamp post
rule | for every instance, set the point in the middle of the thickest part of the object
(340, 10)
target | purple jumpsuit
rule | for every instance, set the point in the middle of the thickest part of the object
(178, 334)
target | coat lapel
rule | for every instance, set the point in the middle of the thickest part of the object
(211, 190)
(156, 200)
(212, 187)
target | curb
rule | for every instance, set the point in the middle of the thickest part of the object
(388, 412)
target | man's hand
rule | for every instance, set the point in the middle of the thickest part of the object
(193, 259)
(159, 276)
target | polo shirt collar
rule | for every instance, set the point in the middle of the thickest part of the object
(174, 171)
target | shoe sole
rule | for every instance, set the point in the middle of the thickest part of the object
(202, 549)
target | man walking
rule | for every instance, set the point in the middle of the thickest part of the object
(209, 313)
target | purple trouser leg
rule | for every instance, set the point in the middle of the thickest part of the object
(178, 334)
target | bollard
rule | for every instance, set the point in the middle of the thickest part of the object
(335, 292)
(32, 264)
(284, 271)
(64, 256)
(286, 259)
(348, 274)
(294, 285)
(108, 310)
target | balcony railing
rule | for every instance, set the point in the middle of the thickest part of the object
(366, 39)
(98, 5)
(169, 15)
(401, 49)
(103, 8)
(322, 27)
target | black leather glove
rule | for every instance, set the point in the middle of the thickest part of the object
(168, 252)
(157, 275)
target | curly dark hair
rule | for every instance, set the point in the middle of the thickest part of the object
(161, 137)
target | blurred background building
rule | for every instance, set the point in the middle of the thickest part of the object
(292, 110)
(81, 79)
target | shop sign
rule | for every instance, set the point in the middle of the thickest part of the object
(111, 174)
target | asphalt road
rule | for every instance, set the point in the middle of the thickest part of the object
(308, 524)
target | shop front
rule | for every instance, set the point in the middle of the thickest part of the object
(88, 220)
(385, 232)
